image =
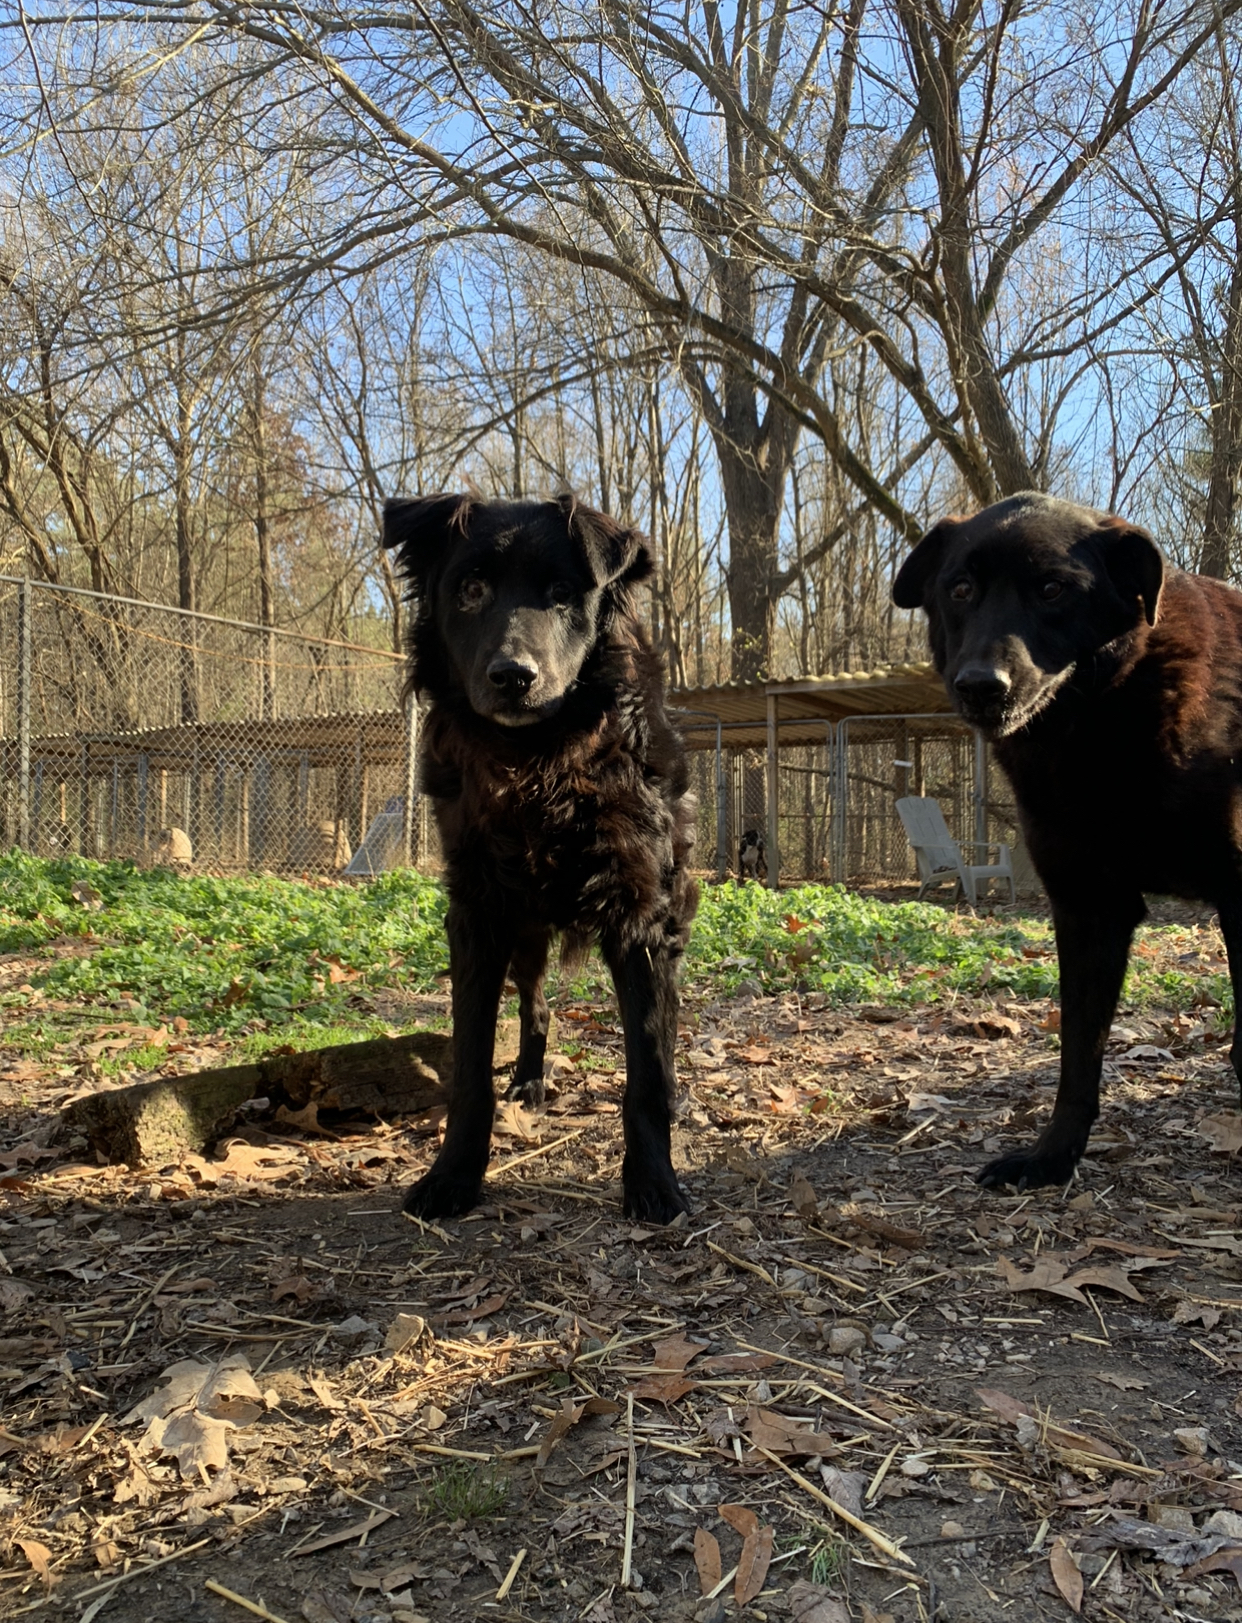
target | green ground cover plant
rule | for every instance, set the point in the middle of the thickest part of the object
(237, 954)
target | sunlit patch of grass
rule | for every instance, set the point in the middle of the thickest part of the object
(465, 1491)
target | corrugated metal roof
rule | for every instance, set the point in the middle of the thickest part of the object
(891, 690)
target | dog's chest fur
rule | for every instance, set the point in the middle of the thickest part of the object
(589, 835)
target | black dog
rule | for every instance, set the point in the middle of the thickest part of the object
(560, 792)
(752, 859)
(1112, 687)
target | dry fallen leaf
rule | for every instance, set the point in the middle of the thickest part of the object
(570, 1414)
(1015, 1410)
(706, 1560)
(741, 1518)
(39, 1557)
(1046, 1275)
(752, 1566)
(1123, 1383)
(1065, 1575)
(781, 1435)
(674, 1353)
(1187, 1312)
(802, 1197)
(1223, 1133)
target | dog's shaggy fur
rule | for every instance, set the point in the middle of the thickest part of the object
(560, 794)
(1112, 688)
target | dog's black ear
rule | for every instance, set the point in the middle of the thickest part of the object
(418, 527)
(613, 552)
(914, 576)
(1135, 564)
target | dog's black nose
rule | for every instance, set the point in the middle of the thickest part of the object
(515, 676)
(981, 685)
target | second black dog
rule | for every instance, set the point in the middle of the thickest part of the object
(560, 794)
(1112, 687)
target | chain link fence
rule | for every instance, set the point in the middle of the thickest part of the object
(135, 730)
(836, 817)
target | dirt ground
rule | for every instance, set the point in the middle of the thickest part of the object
(1023, 1404)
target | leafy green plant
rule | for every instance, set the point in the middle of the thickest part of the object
(222, 953)
(246, 954)
(465, 1491)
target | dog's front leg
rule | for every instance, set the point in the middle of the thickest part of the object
(478, 957)
(530, 963)
(1093, 946)
(646, 983)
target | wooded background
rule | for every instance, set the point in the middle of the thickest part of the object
(781, 282)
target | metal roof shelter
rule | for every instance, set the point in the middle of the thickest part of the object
(750, 710)
(809, 710)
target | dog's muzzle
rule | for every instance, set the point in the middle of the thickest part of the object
(983, 694)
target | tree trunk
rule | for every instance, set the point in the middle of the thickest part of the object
(263, 544)
(1225, 471)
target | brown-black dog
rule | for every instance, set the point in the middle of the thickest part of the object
(1111, 685)
(560, 793)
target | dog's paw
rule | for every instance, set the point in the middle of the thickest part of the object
(656, 1201)
(1029, 1169)
(531, 1092)
(439, 1194)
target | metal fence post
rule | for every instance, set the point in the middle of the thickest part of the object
(409, 801)
(24, 675)
(981, 790)
(722, 808)
(774, 795)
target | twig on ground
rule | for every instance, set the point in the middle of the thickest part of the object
(256, 1607)
(631, 1478)
(873, 1534)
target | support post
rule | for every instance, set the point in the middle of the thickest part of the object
(722, 808)
(773, 852)
(981, 788)
(25, 672)
(409, 802)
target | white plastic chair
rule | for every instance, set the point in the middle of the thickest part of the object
(939, 855)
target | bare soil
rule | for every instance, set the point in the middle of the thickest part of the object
(1029, 1402)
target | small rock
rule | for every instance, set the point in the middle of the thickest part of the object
(1227, 1522)
(1176, 1518)
(1029, 1432)
(887, 1343)
(952, 1530)
(844, 1339)
(354, 1328)
(712, 1612)
(404, 1329)
(915, 1466)
(1193, 1439)
(287, 1484)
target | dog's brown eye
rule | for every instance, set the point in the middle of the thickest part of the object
(961, 591)
(561, 593)
(472, 593)
(1051, 590)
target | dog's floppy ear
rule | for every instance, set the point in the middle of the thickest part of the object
(910, 586)
(1134, 562)
(418, 527)
(613, 552)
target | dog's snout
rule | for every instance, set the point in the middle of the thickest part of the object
(981, 684)
(515, 676)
